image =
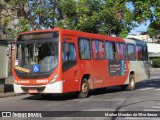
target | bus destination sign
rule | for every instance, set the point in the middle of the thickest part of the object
(36, 36)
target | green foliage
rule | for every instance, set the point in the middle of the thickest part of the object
(109, 17)
(154, 29)
(156, 62)
(95, 16)
(147, 10)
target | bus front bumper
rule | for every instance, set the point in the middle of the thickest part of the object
(56, 87)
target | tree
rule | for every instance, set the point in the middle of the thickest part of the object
(154, 30)
(147, 10)
(96, 16)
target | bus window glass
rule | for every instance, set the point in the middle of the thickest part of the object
(68, 52)
(145, 53)
(84, 48)
(140, 52)
(110, 50)
(131, 52)
(97, 49)
(121, 48)
(31, 53)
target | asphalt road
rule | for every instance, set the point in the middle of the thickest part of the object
(146, 97)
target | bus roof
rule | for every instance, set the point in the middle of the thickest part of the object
(77, 33)
(135, 41)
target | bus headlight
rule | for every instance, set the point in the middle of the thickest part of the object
(54, 79)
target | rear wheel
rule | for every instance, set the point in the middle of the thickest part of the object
(131, 85)
(84, 89)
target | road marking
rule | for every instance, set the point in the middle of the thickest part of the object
(155, 106)
(150, 110)
(146, 88)
(157, 89)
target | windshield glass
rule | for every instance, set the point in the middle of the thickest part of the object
(34, 56)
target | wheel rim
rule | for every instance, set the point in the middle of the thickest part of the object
(84, 88)
(132, 83)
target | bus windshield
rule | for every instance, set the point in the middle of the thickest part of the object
(36, 56)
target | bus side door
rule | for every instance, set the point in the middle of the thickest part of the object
(99, 64)
(70, 67)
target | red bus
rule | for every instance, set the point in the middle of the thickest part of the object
(62, 61)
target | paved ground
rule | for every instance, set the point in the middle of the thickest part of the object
(146, 97)
(8, 89)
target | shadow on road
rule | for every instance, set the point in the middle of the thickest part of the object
(52, 97)
(153, 83)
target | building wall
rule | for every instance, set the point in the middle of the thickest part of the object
(143, 37)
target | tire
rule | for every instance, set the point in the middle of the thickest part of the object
(131, 86)
(84, 89)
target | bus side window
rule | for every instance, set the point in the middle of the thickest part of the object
(140, 52)
(122, 51)
(84, 48)
(110, 50)
(97, 49)
(145, 53)
(68, 56)
(131, 52)
(94, 52)
(101, 51)
(68, 52)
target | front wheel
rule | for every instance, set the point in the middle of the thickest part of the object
(84, 89)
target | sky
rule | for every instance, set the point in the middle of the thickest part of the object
(141, 28)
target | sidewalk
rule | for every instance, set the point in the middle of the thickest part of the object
(8, 89)
(155, 71)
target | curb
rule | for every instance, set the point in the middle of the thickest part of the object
(9, 94)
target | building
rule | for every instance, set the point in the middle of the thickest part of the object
(143, 36)
(153, 50)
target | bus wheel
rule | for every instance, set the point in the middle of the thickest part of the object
(131, 85)
(84, 89)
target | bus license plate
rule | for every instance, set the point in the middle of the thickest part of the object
(32, 90)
